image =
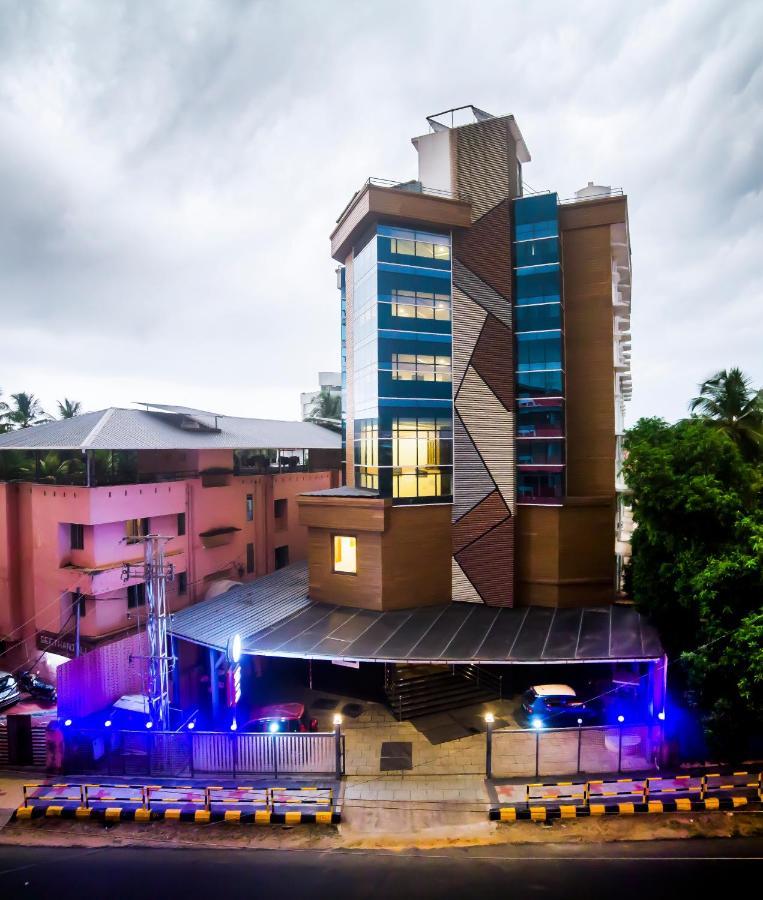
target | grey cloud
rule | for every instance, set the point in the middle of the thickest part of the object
(170, 171)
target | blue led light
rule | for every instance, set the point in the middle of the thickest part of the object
(149, 724)
(233, 726)
(107, 723)
(537, 722)
(273, 727)
(621, 719)
(67, 722)
(661, 716)
(191, 726)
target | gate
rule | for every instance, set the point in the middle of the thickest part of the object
(201, 753)
(568, 751)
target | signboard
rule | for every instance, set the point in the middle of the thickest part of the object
(63, 644)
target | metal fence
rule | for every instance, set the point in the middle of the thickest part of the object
(27, 751)
(200, 753)
(567, 751)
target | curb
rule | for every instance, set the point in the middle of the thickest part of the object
(544, 813)
(199, 816)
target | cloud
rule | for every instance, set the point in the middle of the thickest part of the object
(170, 172)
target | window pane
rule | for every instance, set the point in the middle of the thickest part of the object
(345, 554)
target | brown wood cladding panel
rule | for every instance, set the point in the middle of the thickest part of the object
(489, 564)
(416, 552)
(565, 555)
(326, 586)
(588, 321)
(493, 358)
(485, 248)
(378, 203)
(362, 515)
(593, 213)
(479, 520)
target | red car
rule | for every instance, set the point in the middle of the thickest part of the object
(280, 718)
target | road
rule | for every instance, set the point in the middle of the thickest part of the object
(697, 868)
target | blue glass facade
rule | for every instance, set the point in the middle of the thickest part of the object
(539, 333)
(401, 338)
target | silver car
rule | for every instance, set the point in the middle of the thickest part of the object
(9, 690)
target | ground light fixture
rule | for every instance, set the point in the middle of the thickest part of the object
(273, 727)
(537, 722)
(580, 721)
(621, 719)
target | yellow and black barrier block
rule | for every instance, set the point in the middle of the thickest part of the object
(678, 804)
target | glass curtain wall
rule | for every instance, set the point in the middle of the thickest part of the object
(539, 331)
(403, 413)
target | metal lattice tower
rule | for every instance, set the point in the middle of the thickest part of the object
(155, 573)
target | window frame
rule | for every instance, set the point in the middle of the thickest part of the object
(339, 535)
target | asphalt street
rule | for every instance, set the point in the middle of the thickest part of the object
(696, 868)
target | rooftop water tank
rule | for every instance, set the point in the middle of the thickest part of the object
(593, 190)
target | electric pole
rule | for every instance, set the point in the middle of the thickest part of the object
(156, 573)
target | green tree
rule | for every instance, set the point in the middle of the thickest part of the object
(697, 565)
(326, 405)
(729, 401)
(50, 467)
(67, 409)
(26, 411)
(12, 464)
(4, 424)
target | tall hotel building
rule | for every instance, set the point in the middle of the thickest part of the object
(485, 361)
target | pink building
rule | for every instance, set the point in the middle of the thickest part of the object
(221, 489)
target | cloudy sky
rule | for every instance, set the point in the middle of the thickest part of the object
(170, 172)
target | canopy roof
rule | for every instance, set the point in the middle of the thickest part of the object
(168, 428)
(275, 617)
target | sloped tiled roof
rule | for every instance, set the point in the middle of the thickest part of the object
(141, 429)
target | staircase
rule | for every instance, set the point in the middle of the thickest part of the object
(421, 690)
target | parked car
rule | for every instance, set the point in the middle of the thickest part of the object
(37, 687)
(554, 706)
(9, 690)
(280, 717)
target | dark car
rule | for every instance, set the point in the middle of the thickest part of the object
(554, 706)
(280, 717)
(37, 687)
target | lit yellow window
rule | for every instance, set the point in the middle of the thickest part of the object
(345, 554)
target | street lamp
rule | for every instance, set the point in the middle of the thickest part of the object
(490, 721)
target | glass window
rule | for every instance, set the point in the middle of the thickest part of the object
(540, 487)
(539, 351)
(345, 554)
(540, 453)
(181, 524)
(420, 305)
(538, 318)
(539, 384)
(135, 529)
(182, 583)
(249, 507)
(540, 418)
(250, 559)
(441, 251)
(420, 367)
(536, 253)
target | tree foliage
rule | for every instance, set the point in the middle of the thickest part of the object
(697, 566)
(729, 402)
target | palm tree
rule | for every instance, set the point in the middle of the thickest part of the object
(26, 411)
(51, 468)
(4, 426)
(68, 409)
(326, 405)
(730, 402)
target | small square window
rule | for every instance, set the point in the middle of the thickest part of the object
(181, 524)
(136, 595)
(77, 537)
(182, 583)
(345, 554)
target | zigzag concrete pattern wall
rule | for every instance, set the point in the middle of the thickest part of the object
(484, 500)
